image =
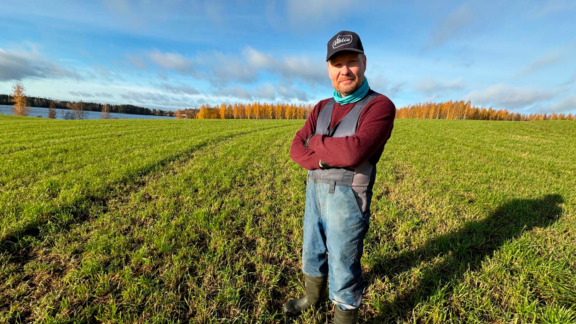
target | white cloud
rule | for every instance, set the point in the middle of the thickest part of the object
(104, 95)
(302, 68)
(171, 61)
(248, 66)
(143, 97)
(504, 96)
(257, 59)
(29, 63)
(266, 92)
(235, 92)
(291, 93)
(81, 94)
(568, 104)
(180, 89)
(154, 98)
(380, 83)
(104, 73)
(220, 68)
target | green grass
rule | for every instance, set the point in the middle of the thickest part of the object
(201, 221)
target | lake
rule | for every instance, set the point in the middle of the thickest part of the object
(60, 113)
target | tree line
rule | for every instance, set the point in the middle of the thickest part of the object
(444, 110)
(254, 110)
(83, 106)
(464, 110)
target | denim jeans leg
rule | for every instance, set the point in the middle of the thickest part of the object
(314, 258)
(346, 227)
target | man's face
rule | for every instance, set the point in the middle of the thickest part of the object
(346, 71)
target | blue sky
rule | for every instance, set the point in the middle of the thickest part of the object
(515, 55)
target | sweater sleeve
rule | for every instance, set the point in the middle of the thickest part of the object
(301, 154)
(374, 129)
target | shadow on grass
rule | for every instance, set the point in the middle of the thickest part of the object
(465, 249)
(17, 244)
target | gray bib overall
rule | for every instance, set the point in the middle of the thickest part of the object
(361, 179)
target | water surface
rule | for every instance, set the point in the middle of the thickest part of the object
(63, 113)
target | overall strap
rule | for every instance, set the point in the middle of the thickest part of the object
(325, 118)
(363, 175)
(349, 122)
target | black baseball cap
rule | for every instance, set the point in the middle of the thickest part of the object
(344, 41)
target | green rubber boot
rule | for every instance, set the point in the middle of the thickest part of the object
(315, 288)
(345, 316)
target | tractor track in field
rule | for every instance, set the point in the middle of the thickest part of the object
(129, 184)
(162, 168)
(19, 258)
(62, 140)
(67, 149)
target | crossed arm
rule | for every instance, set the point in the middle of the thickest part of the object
(374, 129)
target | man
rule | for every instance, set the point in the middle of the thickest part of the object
(340, 144)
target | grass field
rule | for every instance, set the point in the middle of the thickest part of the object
(201, 221)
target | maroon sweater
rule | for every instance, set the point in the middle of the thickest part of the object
(374, 129)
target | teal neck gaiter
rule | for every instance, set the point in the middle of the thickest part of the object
(354, 97)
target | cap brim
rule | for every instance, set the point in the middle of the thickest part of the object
(345, 50)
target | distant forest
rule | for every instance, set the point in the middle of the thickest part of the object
(443, 110)
(255, 110)
(87, 106)
(464, 110)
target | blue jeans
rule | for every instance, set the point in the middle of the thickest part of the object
(334, 231)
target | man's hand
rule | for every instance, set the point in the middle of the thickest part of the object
(323, 165)
(308, 139)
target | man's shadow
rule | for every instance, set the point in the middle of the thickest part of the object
(462, 251)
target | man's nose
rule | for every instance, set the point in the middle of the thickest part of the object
(345, 69)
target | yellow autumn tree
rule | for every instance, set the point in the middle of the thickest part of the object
(222, 112)
(19, 98)
(279, 111)
(269, 108)
(249, 111)
(202, 114)
(229, 111)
